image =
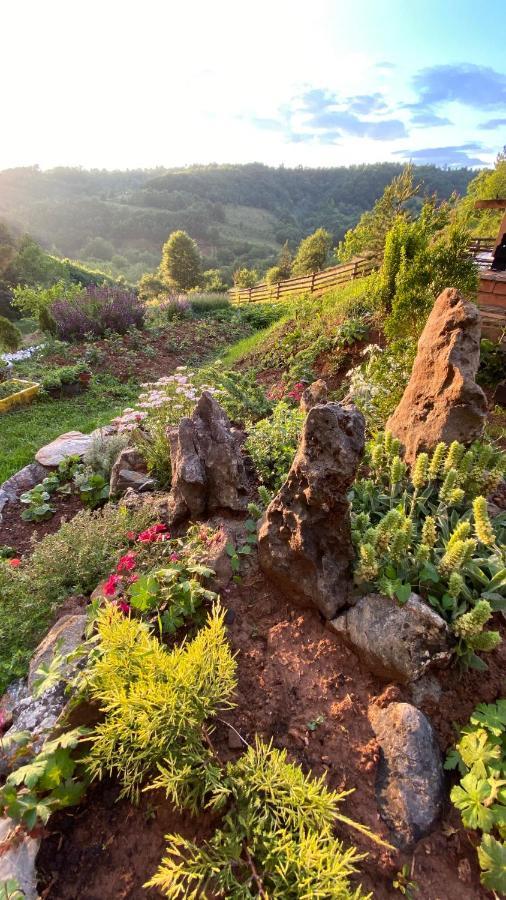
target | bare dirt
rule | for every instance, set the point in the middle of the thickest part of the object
(300, 687)
(22, 535)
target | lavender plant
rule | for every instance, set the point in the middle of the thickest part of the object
(96, 310)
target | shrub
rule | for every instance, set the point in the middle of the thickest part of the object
(95, 311)
(157, 703)
(168, 308)
(10, 335)
(377, 384)
(428, 531)
(275, 840)
(480, 756)
(71, 561)
(312, 253)
(104, 451)
(245, 278)
(272, 443)
(35, 302)
(239, 393)
(492, 362)
(202, 303)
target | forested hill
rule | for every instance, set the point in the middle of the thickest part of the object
(239, 214)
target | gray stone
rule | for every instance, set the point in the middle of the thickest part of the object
(314, 394)
(18, 860)
(442, 401)
(64, 637)
(72, 443)
(396, 643)
(23, 480)
(129, 471)
(304, 537)
(207, 466)
(410, 779)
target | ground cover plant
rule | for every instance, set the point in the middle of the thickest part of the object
(428, 531)
(480, 796)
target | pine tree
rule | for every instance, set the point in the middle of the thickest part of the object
(180, 265)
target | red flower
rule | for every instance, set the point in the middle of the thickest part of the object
(153, 534)
(127, 563)
(131, 535)
(14, 563)
(174, 557)
(133, 578)
(123, 606)
(111, 585)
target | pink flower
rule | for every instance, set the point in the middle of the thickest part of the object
(127, 563)
(131, 535)
(14, 563)
(123, 606)
(111, 585)
(153, 534)
(133, 578)
(174, 557)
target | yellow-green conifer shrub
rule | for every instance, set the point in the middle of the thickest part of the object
(276, 838)
(156, 704)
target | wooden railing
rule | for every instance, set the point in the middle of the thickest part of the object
(328, 278)
(311, 284)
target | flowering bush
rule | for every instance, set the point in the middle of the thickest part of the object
(96, 310)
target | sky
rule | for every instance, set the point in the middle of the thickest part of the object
(109, 84)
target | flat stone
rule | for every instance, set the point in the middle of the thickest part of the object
(68, 633)
(72, 443)
(410, 779)
(396, 643)
(18, 861)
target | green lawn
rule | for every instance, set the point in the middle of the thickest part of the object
(24, 430)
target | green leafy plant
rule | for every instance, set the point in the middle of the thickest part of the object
(241, 395)
(51, 780)
(10, 335)
(480, 797)
(404, 883)
(12, 386)
(11, 890)
(271, 443)
(92, 486)
(428, 531)
(492, 361)
(37, 508)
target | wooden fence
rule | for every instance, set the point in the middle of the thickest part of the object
(329, 278)
(311, 284)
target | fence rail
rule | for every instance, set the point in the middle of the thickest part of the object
(328, 278)
(312, 284)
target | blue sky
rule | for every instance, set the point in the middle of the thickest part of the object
(124, 84)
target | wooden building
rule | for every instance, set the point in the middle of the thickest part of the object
(492, 286)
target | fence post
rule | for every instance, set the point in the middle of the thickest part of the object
(355, 270)
(277, 291)
(312, 282)
(249, 295)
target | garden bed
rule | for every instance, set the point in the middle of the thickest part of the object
(20, 535)
(16, 392)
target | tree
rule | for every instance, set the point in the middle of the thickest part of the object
(489, 184)
(312, 253)
(245, 278)
(10, 335)
(98, 248)
(180, 265)
(369, 235)
(212, 282)
(283, 267)
(151, 286)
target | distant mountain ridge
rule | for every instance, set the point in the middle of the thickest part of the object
(238, 214)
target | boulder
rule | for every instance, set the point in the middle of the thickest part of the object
(129, 471)
(23, 480)
(396, 643)
(315, 393)
(64, 637)
(69, 444)
(207, 467)
(410, 779)
(304, 537)
(442, 401)
(17, 860)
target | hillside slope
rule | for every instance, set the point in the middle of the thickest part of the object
(239, 214)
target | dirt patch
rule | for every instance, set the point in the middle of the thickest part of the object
(300, 687)
(21, 535)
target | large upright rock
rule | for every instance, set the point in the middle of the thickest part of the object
(304, 539)
(442, 401)
(207, 466)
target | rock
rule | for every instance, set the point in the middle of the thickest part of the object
(304, 537)
(157, 502)
(129, 471)
(23, 481)
(207, 466)
(410, 778)
(64, 637)
(17, 862)
(500, 394)
(426, 690)
(442, 401)
(396, 643)
(315, 393)
(69, 444)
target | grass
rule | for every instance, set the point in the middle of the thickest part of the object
(24, 430)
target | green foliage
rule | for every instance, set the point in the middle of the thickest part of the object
(10, 387)
(275, 838)
(283, 268)
(11, 890)
(92, 486)
(312, 253)
(404, 883)
(239, 393)
(37, 508)
(480, 797)
(488, 184)
(211, 282)
(156, 704)
(272, 442)
(245, 278)
(50, 781)
(492, 362)
(54, 378)
(72, 561)
(377, 384)
(369, 235)
(10, 335)
(103, 452)
(202, 303)
(180, 265)
(428, 531)
(35, 301)
(151, 286)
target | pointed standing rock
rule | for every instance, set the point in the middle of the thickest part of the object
(442, 401)
(304, 539)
